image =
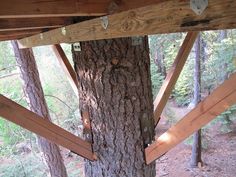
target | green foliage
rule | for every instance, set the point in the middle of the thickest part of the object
(62, 103)
(75, 167)
(225, 119)
(157, 79)
(167, 45)
(204, 140)
(23, 166)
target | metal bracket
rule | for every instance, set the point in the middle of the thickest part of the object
(198, 6)
(147, 129)
(77, 47)
(137, 40)
(104, 22)
(41, 36)
(63, 31)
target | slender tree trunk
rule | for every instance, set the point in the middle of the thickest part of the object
(223, 35)
(159, 61)
(196, 147)
(115, 87)
(37, 103)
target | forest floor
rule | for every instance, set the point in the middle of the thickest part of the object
(218, 156)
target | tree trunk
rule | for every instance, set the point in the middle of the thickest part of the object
(37, 103)
(115, 87)
(196, 147)
(225, 72)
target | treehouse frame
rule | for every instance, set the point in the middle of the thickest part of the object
(52, 23)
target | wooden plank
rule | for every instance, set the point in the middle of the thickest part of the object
(163, 17)
(21, 116)
(221, 99)
(12, 37)
(66, 66)
(18, 34)
(10, 24)
(173, 75)
(53, 8)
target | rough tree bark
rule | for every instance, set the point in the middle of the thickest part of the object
(37, 103)
(196, 147)
(115, 87)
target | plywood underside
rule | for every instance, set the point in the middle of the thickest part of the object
(44, 15)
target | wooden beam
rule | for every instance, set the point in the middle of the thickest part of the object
(66, 66)
(10, 24)
(221, 99)
(54, 8)
(21, 116)
(173, 75)
(18, 34)
(163, 17)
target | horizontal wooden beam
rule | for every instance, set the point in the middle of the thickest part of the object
(21, 116)
(221, 99)
(53, 8)
(66, 66)
(163, 17)
(18, 34)
(173, 74)
(10, 24)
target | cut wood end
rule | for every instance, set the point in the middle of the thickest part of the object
(95, 157)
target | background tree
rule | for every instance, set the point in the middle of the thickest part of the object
(34, 92)
(115, 88)
(197, 145)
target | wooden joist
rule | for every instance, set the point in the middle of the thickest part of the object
(11, 24)
(163, 17)
(18, 34)
(55, 8)
(21, 116)
(221, 99)
(173, 75)
(66, 66)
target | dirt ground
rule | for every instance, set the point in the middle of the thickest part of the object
(219, 157)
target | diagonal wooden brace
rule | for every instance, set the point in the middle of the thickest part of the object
(221, 99)
(21, 116)
(66, 66)
(173, 75)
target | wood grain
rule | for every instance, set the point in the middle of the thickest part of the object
(163, 17)
(55, 8)
(18, 34)
(19, 115)
(216, 103)
(12, 24)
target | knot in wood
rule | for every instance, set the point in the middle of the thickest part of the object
(114, 61)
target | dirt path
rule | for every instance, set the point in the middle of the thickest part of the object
(219, 157)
